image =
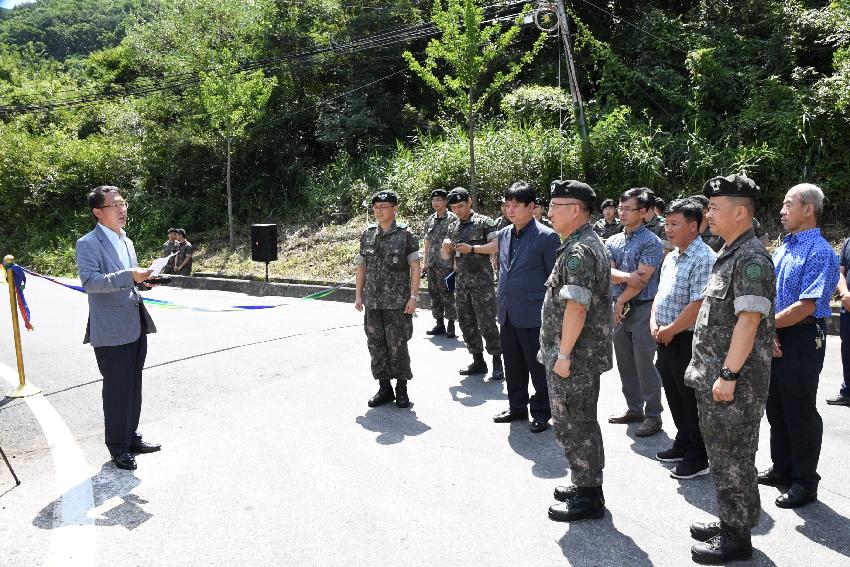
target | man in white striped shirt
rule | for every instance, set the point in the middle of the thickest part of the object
(684, 276)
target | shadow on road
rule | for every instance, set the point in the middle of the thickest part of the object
(540, 448)
(825, 526)
(393, 424)
(475, 390)
(599, 542)
(699, 492)
(114, 503)
(648, 446)
(447, 345)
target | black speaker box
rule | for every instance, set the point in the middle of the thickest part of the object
(264, 242)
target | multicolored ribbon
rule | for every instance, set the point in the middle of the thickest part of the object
(20, 280)
(164, 304)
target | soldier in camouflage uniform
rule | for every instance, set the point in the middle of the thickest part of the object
(436, 268)
(539, 213)
(730, 376)
(609, 224)
(388, 286)
(579, 291)
(655, 224)
(475, 296)
(503, 219)
(168, 248)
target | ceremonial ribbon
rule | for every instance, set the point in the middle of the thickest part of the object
(164, 304)
(20, 280)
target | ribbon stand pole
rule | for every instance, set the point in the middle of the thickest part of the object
(24, 389)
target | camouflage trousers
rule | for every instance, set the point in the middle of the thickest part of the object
(576, 427)
(387, 333)
(442, 300)
(731, 434)
(476, 315)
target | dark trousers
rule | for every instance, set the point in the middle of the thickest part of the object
(121, 368)
(519, 350)
(844, 330)
(796, 428)
(673, 360)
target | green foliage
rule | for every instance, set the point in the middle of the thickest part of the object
(538, 105)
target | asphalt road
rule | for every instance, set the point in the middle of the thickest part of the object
(271, 456)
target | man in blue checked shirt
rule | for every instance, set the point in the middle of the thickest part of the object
(684, 277)
(806, 275)
(636, 255)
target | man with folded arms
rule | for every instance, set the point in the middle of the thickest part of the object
(684, 275)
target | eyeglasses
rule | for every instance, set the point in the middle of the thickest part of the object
(381, 207)
(120, 205)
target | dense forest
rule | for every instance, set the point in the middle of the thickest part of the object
(317, 107)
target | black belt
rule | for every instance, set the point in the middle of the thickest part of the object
(635, 302)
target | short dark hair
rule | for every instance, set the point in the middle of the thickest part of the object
(97, 196)
(701, 199)
(521, 192)
(644, 197)
(689, 208)
(660, 203)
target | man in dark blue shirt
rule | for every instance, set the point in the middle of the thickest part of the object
(843, 397)
(806, 275)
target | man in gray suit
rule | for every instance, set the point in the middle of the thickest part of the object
(527, 251)
(118, 322)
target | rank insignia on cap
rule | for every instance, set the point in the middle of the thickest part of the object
(753, 271)
(715, 185)
(574, 263)
(382, 195)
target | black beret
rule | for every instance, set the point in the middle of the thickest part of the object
(608, 203)
(458, 195)
(171, 230)
(731, 186)
(385, 197)
(180, 231)
(439, 193)
(573, 189)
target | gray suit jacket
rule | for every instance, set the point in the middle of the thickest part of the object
(522, 283)
(114, 301)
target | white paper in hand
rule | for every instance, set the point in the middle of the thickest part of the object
(160, 263)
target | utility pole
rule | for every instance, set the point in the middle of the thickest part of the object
(566, 36)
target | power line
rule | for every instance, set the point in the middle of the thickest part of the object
(640, 29)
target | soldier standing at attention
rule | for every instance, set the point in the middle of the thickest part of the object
(168, 248)
(437, 269)
(806, 275)
(609, 224)
(475, 296)
(388, 285)
(730, 368)
(575, 347)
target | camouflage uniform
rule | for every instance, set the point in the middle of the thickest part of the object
(475, 295)
(605, 230)
(387, 257)
(168, 248)
(582, 273)
(502, 222)
(742, 279)
(714, 242)
(185, 249)
(437, 269)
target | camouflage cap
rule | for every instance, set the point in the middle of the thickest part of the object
(442, 193)
(731, 186)
(385, 197)
(458, 195)
(574, 190)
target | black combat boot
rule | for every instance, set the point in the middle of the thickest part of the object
(728, 545)
(450, 330)
(498, 371)
(587, 504)
(704, 531)
(439, 329)
(384, 395)
(401, 399)
(478, 365)
(564, 493)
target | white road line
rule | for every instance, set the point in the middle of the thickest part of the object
(72, 542)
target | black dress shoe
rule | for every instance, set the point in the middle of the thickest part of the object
(141, 447)
(798, 495)
(587, 504)
(125, 461)
(722, 548)
(538, 426)
(772, 478)
(508, 416)
(704, 531)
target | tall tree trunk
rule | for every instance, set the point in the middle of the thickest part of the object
(229, 199)
(473, 192)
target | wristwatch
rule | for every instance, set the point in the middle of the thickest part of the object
(728, 375)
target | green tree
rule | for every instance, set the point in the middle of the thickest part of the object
(470, 50)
